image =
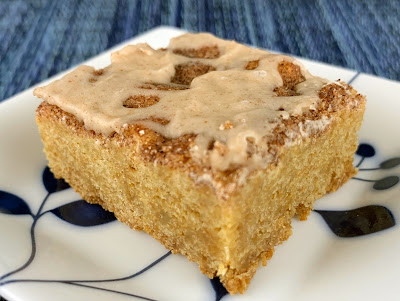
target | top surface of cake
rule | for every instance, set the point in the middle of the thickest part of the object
(234, 99)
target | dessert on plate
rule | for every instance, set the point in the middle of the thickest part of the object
(208, 145)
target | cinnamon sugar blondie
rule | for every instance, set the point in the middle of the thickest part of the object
(208, 145)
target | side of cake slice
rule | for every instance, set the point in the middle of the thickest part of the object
(208, 145)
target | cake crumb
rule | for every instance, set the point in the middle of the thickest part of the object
(226, 125)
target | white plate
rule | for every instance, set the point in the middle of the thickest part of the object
(314, 264)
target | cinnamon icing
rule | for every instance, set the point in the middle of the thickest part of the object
(235, 107)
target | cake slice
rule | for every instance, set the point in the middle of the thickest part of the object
(208, 145)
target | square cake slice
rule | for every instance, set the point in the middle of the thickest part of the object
(208, 145)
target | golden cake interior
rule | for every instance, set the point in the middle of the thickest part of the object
(227, 228)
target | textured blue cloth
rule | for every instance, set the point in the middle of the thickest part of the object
(39, 38)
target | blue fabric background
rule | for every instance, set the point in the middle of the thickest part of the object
(39, 38)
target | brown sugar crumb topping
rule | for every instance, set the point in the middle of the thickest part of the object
(98, 72)
(141, 101)
(172, 151)
(207, 52)
(251, 146)
(252, 65)
(291, 76)
(185, 73)
(159, 120)
(163, 87)
(290, 73)
(220, 148)
(334, 97)
(226, 125)
(282, 91)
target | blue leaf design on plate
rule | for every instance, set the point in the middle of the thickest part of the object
(51, 183)
(390, 163)
(358, 222)
(12, 204)
(365, 150)
(386, 183)
(81, 213)
(219, 289)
